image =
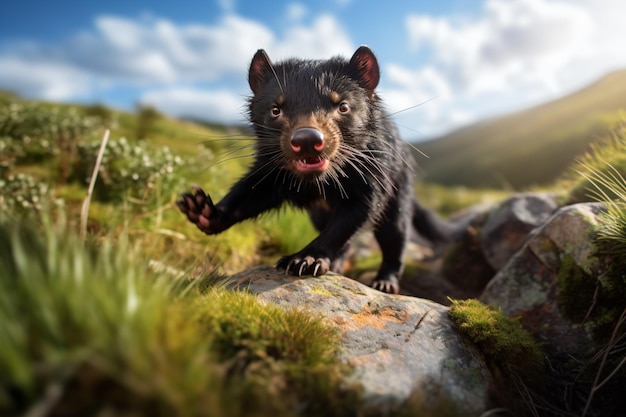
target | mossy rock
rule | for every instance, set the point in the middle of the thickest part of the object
(506, 345)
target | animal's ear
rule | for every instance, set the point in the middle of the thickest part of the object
(364, 69)
(260, 70)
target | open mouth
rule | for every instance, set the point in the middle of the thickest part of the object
(314, 163)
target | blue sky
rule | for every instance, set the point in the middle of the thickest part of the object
(464, 60)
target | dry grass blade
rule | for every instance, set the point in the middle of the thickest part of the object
(597, 384)
(84, 212)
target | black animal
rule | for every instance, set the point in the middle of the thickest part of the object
(325, 144)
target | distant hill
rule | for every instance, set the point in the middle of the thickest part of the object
(530, 147)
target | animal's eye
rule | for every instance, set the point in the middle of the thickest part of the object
(275, 111)
(344, 107)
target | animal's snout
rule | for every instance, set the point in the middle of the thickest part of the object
(307, 140)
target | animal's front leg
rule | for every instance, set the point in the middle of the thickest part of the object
(247, 199)
(325, 251)
(200, 210)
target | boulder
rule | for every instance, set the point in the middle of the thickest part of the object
(492, 235)
(400, 347)
(464, 265)
(508, 224)
(534, 283)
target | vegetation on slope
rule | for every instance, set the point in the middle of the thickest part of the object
(530, 147)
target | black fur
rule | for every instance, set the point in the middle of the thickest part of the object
(325, 144)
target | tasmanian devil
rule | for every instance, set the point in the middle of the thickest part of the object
(324, 143)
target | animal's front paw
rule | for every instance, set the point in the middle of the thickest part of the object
(200, 210)
(390, 285)
(304, 265)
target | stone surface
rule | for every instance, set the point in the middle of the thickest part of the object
(528, 285)
(507, 226)
(398, 345)
(464, 265)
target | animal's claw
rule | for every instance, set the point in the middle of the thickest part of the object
(388, 285)
(304, 265)
(199, 209)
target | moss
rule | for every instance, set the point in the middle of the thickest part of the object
(576, 289)
(290, 353)
(596, 302)
(506, 346)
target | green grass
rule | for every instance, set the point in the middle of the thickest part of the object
(586, 179)
(90, 329)
(450, 200)
(290, 228)
(605, 183)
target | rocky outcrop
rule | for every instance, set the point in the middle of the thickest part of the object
(534, 284)
(527, 258)
(399, 346)
(494, 234)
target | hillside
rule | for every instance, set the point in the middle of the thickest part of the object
(526, 148)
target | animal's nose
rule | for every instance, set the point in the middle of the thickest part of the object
(307, 140)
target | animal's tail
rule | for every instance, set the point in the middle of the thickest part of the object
(435, 229)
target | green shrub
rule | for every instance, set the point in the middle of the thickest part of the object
(147, 116)
(22, 195)
(128, 170)
(9, 153)
(44, 130)
(39, 132)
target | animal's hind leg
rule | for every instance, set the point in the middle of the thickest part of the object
(392, 234)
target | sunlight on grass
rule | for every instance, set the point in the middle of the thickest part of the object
(604, 156)
(93, 328)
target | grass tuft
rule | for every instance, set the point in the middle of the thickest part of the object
(606, 159)
(90, 329)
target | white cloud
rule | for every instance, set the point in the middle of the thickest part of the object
(418, 99)
(214, 105)
(326, 37)
(150, 52)
(514, 42)
(157, 50)
(42, 80)
(514, 54)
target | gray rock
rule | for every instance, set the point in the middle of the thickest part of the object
(529, 285)
(398, 345)
(508, 225)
